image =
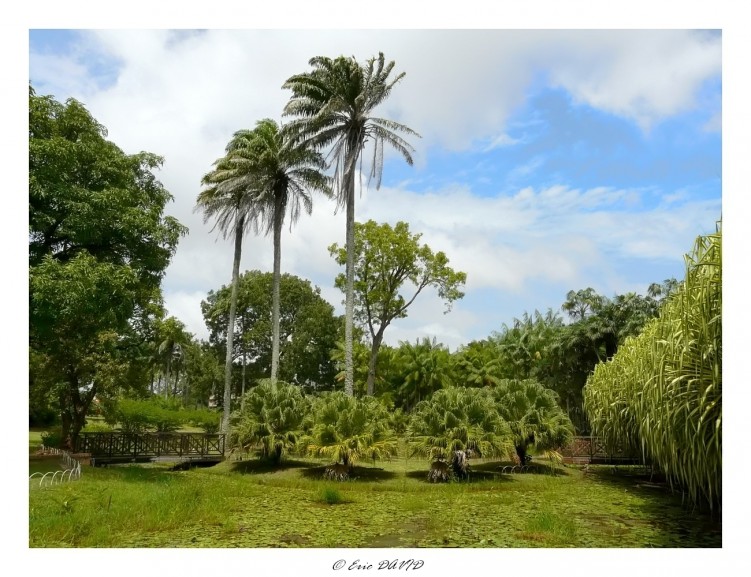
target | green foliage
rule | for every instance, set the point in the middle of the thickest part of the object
(424, 367)
(97, 428)
(330, 496)
(143, 415)
(385, 260)
(271, 419)
(348, 429)
(533, 415)
(52, 439)
(308, 328)
(99, 244)
(458, 419)
(477, 364)
(662, 392)
(206, 419)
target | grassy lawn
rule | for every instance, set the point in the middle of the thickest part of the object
(246, 504)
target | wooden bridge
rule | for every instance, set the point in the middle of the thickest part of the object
(117, 447)
(585, 450)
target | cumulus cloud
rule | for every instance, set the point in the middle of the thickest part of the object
(183, 94)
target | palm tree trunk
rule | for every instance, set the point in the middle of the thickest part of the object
(231, 325)
(349, 303)
(278, 217)
(242, 392)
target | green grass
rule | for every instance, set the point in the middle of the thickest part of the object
(251, 504)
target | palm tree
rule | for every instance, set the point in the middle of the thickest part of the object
(271, 419)
(233, 200)
(453, 423)
(348, 429)
(333, 105)
(533, 413)
(426, 367)
(285, 172)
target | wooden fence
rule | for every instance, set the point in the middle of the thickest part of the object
(585, 450)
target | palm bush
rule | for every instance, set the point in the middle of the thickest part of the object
(348, 429)
(454, 423)
(533, 415)
(662, 391)
(271, 420)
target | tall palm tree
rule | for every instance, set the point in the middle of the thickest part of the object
(285, 173)
(333, 106)
(233, 200)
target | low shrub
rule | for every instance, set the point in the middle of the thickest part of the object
(52, 439)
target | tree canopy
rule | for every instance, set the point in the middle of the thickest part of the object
(99, 244)
(308, 328)
(391, 269)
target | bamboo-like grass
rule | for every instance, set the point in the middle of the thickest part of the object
(662, 391)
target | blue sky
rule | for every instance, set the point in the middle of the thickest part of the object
(549, 160)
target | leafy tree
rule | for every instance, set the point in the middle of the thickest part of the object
(203, 372)
(332, 105)
(308, 328)
(232, 198)
(348, 429)
(385, 259)
(99, 244)
(271, 419)
(534, 416)
(457, 419)
(285, 172)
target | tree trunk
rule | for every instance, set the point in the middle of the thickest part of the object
(377, 339)
(242, 392)
(349, 303)
(521, 452)
(231, 325)
(73, 410)
(278, 219)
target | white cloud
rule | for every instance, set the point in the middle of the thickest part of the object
(183, 95)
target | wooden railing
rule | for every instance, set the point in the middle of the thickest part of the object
(593, 450)
(119, 446)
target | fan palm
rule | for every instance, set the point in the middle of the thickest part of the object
(457, 420)
(348, 429)
(533, 413)
(284, 173)
(272, 418)
(332, 106)
(232, 199)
